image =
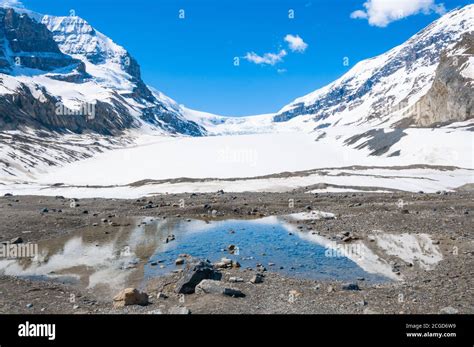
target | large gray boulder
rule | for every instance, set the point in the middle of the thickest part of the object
(194, 273)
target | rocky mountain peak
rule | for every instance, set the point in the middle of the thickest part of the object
(374, 88)
(27, 43)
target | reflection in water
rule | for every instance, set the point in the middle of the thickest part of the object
(264, 241)
(107, 259)
(412, 248)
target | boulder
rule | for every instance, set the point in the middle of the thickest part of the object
(216, 287)
(194, 272)
(130, 296)
(225, 263)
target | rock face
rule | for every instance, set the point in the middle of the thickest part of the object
(30, 44)
(22, 110)
(130, 296)
(451, 97)
(194, 273)
(57, 93)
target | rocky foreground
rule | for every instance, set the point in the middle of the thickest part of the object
(223, 287)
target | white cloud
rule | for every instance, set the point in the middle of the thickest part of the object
(267, 58)
(296, 43)
(382, 12)
(10, 3)
(359, 14)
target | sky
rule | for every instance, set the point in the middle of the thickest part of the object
(248, 57)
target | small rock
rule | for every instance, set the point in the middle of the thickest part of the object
(162, 295)
(44, 210)
(16, 240)
(179, 261)
(130, 296)
(236, 279)
(236, 265)
(215, 287)
(257, 278)
(350, 286)
(29, 305)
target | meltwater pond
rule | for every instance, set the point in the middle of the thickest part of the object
(271, 242)
(134, 250)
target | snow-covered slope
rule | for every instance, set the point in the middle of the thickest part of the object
(62, 65)
(60, 77)
(377, 91)
(369, 117)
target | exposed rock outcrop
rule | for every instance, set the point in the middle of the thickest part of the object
(54, 49)
(451, 97)
(26, 43)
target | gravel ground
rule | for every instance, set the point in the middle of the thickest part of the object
(447, 217)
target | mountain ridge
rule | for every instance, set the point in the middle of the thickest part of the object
(371, 114)
(412, 63)
(48, 72)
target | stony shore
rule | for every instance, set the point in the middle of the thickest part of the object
(447, 217)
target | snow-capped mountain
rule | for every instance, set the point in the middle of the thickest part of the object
(409, 107)
(379, 91)
(62, 75)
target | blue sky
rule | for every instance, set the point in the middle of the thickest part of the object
(192, 59)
